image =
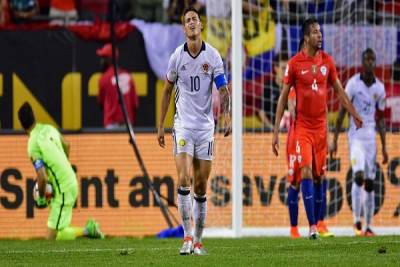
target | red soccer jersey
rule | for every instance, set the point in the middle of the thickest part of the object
(65, 5)
(108, 96)
(310, 77)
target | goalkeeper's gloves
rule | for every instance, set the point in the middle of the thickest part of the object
(41, 202)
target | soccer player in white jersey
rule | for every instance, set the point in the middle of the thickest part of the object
(367, 94)
(192, 69)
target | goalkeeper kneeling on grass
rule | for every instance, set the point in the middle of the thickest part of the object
(48, 152)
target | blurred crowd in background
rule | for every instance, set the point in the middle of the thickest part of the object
(69, 11)
(169, 11)
(271, 34)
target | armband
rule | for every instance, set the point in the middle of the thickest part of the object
(38, 164)
(220, 81)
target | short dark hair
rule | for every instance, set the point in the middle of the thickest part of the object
(306, 25)
(26, 116)
(367, 51)
(187, 10)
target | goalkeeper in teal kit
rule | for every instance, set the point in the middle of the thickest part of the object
(48, 152)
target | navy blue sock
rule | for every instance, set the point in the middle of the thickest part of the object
(317, 200)
(293, 203)
(323, 204)
(308, 199)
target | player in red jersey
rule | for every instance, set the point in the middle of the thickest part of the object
(294, 179)
(310, 71)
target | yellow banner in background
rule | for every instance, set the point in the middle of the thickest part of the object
(258, 32)
(217, 32)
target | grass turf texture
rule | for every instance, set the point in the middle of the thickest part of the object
(339, 251)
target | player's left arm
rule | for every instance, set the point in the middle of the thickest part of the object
(380, 123)
(222, 86)
(226, 104)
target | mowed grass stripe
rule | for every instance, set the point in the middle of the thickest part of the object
(341, 251)
(133, 249)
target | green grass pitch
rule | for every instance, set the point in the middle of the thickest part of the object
(271, 251)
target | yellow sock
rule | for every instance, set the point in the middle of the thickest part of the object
(78, 231)
(70, 233)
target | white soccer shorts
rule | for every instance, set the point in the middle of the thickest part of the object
(363, 156)
(197, 143)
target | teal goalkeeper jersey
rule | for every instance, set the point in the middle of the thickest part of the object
(45, 145)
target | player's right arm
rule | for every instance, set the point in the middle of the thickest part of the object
(283, 98)
(167, 93)
(36, 156)
(292, 103)
(288, 81)
(41, 181)
(168, 87)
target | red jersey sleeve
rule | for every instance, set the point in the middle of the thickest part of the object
(332, 70)
(289, 76)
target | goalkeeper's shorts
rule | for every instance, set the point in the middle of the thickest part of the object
(197, 143)
(61, 209)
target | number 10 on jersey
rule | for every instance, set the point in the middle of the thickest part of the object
(194, 83)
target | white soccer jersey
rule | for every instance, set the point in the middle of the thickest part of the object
(193, 76)
(366, 100)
